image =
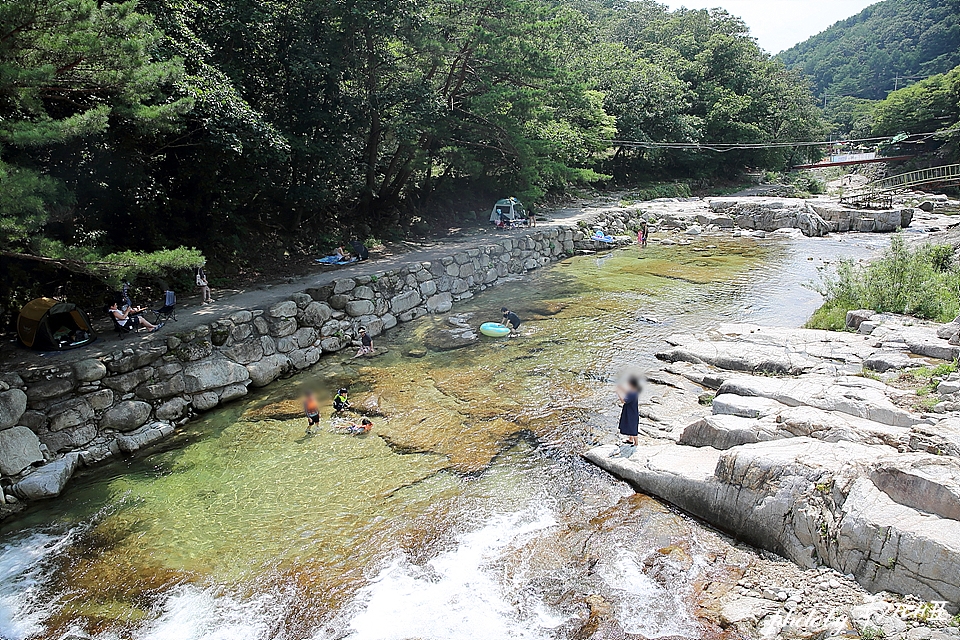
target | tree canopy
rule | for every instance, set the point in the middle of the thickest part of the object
(886, 46)
(129, 131)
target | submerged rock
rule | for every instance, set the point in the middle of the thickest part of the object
(449, 339)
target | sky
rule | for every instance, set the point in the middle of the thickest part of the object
(780, 24)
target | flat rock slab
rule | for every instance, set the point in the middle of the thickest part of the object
(859, 397)
(47, 481)
(815, 502)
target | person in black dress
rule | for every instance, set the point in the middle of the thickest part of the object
(630, 414)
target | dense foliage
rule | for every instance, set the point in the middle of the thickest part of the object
(922, 282)
(131, 128)
(864, 55)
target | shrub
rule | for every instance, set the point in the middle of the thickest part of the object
(922, 282)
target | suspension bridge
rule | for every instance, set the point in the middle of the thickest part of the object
(879, 193)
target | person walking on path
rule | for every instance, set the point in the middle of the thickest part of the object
(630, 414)
(204, 286)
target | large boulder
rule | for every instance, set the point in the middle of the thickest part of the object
(19, 448)
(740, 356)
(144, 436)
(13, 402)
(855, 396)
(440, 303)
(405, 301)
(47, 481)
(818, 503)
(89, 370)
(315, 314)
(265, 371)
(213, 374)
(125, 416)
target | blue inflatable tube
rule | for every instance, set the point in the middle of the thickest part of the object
(494, 330)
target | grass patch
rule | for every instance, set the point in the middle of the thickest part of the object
(922, 282)
(832, 316)
(657, 190)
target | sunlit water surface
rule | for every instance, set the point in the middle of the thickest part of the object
(466, 513)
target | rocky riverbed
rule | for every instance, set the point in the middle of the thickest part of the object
(837, 450)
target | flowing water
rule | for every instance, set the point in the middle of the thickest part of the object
(466, 513)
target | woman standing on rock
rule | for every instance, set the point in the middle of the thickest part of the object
(630, 414)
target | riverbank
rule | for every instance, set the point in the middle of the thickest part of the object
(829, 448)
(464, 509)
(82, 407)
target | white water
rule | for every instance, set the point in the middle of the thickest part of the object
(457, 593)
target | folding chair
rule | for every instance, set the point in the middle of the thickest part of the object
(169, 309)
(121, 329)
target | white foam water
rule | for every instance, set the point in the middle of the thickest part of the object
(645, 607)
(457, 594)
(22, 576)
(188, 612)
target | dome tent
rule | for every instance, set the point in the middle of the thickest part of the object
(48, 325)
(508, 209)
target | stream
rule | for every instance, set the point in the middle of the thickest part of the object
(466, 511)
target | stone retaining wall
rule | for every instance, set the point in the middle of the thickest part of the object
(54, 418)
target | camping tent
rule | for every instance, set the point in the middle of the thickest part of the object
(509, 208)
(48, 325)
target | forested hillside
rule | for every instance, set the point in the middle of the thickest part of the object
(864, 55)
(241, 127)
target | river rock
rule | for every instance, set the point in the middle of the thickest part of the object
(316, 314)
(772, 495)
(285, 309)
(739, 356)
(860, 397)
(19, 448)
(856, 317)
(69, 439)
(48, 389)
(212, 374)
(89, 370)
(126, 415)
(404, 301)
(144, 436)
(449, 339)
(71, 414)
(343, 285)
(47, 481)
(265, 371)
(13, 404)
(726, 431)
(440, 303)
(357, 308)
(745, 406)
(942, 439)
(883, 361)
(172, 409)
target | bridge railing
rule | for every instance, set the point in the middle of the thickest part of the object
(875, 190)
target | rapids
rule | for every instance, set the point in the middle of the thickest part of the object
(465, 513)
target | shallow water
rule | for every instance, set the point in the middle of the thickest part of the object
(465, 511)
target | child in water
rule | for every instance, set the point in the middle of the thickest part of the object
(355, 429)
(311, 409)
(340, 403)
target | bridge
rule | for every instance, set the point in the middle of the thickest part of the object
(879, 193)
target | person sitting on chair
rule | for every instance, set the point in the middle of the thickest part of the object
(129, 317)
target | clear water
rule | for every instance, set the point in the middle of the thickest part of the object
(466, 511)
